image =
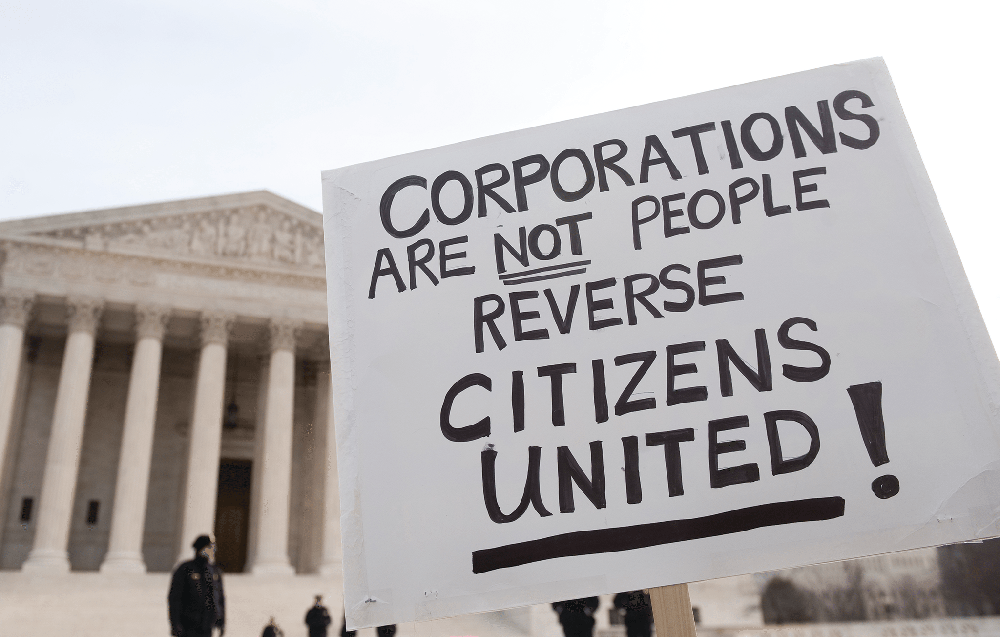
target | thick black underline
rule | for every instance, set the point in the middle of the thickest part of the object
(542, 277)
(628, 538)
(514, 275)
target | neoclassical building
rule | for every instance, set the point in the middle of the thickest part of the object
(165, 372)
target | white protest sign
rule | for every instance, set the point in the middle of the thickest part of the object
(715, 335)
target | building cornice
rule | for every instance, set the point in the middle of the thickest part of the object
(49, 223)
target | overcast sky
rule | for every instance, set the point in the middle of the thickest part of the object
(108, 103)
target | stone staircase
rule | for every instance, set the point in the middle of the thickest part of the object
(98, 605)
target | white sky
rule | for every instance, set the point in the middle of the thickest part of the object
(106, 103)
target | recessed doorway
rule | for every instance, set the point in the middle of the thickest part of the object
(232, 514)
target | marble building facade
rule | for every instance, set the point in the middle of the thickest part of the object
(164, 372)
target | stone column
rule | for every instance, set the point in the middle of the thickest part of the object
(271, 556)
(65, 440)
(205, 439)
(258, 460)
(15, 308)
(129, 514)
(330, 564)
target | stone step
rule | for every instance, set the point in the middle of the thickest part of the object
(98, 605)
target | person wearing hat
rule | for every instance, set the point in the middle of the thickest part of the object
(318, 618)
(196, 601)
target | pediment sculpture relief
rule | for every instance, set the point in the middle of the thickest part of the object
(257, 234)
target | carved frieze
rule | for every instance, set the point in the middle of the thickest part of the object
(79, 266)
(256, 234)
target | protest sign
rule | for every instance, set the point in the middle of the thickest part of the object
(715, 335)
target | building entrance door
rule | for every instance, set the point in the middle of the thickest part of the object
(232, 514)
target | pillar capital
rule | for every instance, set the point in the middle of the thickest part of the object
(215, 327)
(15, 307)
(84, 313)
(283, 334)
(151, 321)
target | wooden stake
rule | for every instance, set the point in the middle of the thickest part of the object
(672, 611)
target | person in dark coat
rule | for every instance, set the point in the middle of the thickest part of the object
(272, 630)
(577, 616)
(638, 612)
(318, 618)
(196, 602)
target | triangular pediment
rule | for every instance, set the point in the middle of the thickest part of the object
(250, 228)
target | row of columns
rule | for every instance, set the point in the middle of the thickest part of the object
(49, 552)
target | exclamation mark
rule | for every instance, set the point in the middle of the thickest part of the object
(867, 399)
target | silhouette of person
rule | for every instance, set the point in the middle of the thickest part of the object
(272, 630)
(577, 616)
(386, 631)
(196, 603)
(638, 612)
(318, 618)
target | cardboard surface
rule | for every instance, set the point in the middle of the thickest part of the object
(647, 386)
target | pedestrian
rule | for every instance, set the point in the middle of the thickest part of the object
(196, 602)
(386, 631)
(638, 612)
(577, 616)
(318, 618)
(272, 630)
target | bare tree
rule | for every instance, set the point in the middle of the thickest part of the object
(783, 602)
(969, 578)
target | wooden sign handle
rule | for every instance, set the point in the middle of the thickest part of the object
(672, 613)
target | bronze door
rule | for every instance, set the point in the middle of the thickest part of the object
(232, 514)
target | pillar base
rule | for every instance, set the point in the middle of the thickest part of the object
(272, 568)
(46, 561)
(124, 562)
